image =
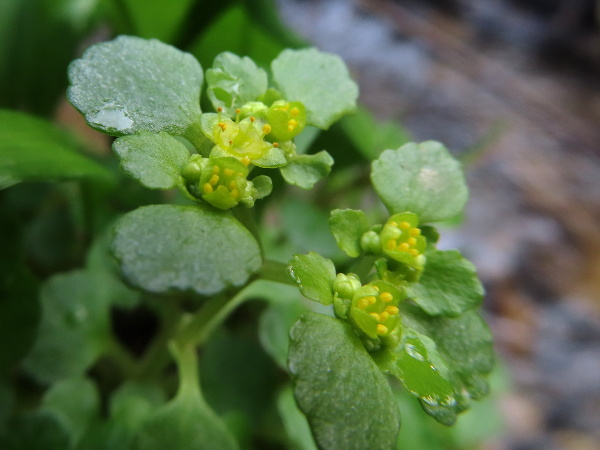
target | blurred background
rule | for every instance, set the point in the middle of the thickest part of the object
(511, 87)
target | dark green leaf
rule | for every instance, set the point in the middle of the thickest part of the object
(164, 248)
(131, 84)
(464, 342)
(75, 403)
(319, 80)
(305, 170)
(37, 430)
(314, 275)
(421, 178)
(233, 81)
(74, 330)
(155, 160)
(35, 150)
(448, 286)
(348, 226)
(345, 397)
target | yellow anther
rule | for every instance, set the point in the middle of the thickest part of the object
(392, 310)
(246, 161)
(252, 119)
(230, 142)
(381, 329)
(391, 244)
(222, 126)
(371, 299)
(375, 315)
(286, 107)
(292, 123)
(386, 297)
(414, 252)
(362, 303)
(290, 128)
(411, 241)
(213, 180)
(394, 224)
(266, 128)
(216, 169)
(404, 225)
(232, 185)
(414, 232)
(294, 111)
(403, 247)
(376, 288)
(228, 172)
(207, 188)
(275, 144)
(219, 109)
(235, 193)
(238, 110)
(384, 316)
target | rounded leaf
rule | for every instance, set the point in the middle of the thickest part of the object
(421, 178)
(132, 84)
(165, 248)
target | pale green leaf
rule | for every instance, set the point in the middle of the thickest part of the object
(319, 80)
(170, 248)
(421, 178)
(155, 160)
(314, 275)
(131, 84)
(348, 226)
(305, 170)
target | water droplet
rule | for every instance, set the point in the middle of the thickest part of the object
(112, 117)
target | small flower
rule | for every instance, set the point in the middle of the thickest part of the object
(402, 241)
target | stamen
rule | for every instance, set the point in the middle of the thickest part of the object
(222, 126)
(232, 185)
(371, 299)
(392, 310)
(403, 247)
(394, 224)
(414, 232)
(216, 169)
(252, 119)
(386, 297)
(213, 180)
(381, 329)
(246, 161)
(294, 111)
(414, 252)
(266, 128)
(411, 241)
(384, 316)
(404, 225)
(391, 244)
(235, 193)
(207, 188)
(275, 144)
(228, 172)
(374, 314)
(362, 303)
(292, 123)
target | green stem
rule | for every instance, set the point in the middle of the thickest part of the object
(187, 364)
(122, 358)
(275, 271)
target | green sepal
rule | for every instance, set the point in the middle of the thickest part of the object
(233, 81)
(347, 400)
(131, 84)
(154, 237)
(319, 80)
(155, 160)
(305, 170)
(263, 185)
(314, 275)
(348, 227)
(422, 178)
(287, 120)
(401, 240)
(448, 285)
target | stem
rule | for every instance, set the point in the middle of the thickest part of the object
(275, 271)
(363, 266)
(187, 365)
(122, 358)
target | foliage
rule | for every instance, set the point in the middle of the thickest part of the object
(109, 282)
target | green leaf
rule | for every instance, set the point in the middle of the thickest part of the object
(165, 248)
(348, 226)
(131, 84)
(314, 275)
(319, 80)
(74, 330)
(35, 150)
(305, 170)
(155, 160)
(424, 373)
(233, 81)
(448, 286)
(36, 430)
(294, 422)
(75, 403)
(464, 342)
(263, 185)
(183, 424)
(345, 397)
(421, 178)
(372, 136)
